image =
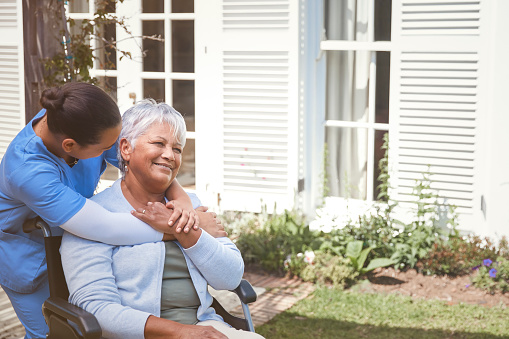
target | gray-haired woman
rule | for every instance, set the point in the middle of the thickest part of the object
(152, 290)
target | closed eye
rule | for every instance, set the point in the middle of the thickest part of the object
(178, 150)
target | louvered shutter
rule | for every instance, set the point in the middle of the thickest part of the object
(435, 100)
(247, 102)
(12, 93)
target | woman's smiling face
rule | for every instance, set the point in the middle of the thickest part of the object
(156, 157)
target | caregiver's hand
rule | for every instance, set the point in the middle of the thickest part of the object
(183, 216)
(156, 215)
(210, 223)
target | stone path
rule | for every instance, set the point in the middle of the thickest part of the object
(10, 327)
(275, 295)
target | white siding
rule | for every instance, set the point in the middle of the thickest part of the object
(436, 103)
(12, 94)
(247, 65)
(438, 17)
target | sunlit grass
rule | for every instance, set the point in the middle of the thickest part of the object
(330, 313)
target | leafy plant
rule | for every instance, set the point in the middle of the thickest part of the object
(358, 257)
(329, 268)
(493, 276)
(457, 255)
(77, 54)
(270, 244)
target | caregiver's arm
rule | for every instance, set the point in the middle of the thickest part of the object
(58, 204)
(96, 223)
(179, 201)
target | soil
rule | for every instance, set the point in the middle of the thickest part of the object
(453, 290)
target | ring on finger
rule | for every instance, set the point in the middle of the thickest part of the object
(143, 211)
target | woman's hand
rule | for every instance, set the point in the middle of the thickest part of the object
(210, 223)
(157, 328)
(196, 331)
(184, 213)
(156, 215)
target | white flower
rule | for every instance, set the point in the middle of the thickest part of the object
(287, 261)
(309, 256)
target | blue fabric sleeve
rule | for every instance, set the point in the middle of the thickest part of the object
(38, 186)
(218, 260)
(59, 205)
(92, 286)
(111, 155)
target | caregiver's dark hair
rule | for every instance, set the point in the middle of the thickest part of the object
(80, 111)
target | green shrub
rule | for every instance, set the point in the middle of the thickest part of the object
(404, 243)
(329, 268)
(358, 256)
(493, 276)
(270, 243)
(457, 255)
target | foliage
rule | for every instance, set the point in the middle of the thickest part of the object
(358, 257)
(331, 313)
(404, 243)
(269, 245)
(324, 177)
(492, 276)
(77, 54)
(457, 255)
(326, 268)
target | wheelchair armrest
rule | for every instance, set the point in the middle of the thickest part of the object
(245, 292)
(86, 321)
(30, 225)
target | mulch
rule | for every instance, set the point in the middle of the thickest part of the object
(453, 290)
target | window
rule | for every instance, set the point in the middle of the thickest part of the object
(357, 94)
(168, 66)
(166, 69)
(105, 65)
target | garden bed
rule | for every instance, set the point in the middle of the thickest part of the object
(453, 290)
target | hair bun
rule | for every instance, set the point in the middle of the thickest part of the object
(52, 99)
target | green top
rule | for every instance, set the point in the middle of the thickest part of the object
(179, 300)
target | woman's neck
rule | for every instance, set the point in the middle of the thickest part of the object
(137, 194)
(52, 142)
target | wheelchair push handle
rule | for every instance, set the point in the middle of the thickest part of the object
(37, 223)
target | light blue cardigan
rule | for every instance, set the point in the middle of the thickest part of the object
(121, 285)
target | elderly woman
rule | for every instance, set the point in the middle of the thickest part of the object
(152, 290)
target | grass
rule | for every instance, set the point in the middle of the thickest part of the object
(330, 313)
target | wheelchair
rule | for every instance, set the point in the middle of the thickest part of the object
(59, 313)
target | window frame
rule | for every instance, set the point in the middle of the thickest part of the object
(372, 47)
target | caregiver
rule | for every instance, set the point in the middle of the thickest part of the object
(50, 169)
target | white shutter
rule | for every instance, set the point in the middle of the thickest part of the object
(12, 93)
(435, 101)
(247, 65)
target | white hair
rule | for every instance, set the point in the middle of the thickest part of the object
(137, 119)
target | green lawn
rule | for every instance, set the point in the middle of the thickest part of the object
(329, 313)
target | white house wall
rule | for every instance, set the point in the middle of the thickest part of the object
(247, 102)
(438, 107)
(12, 93)
(496, 155)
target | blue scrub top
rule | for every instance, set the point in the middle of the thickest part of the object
(33, 181)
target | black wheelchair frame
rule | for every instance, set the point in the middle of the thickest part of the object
(58, 312)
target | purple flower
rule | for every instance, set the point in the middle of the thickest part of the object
(467, 285)
(475, 268)
(487, 262)
(493, 273)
